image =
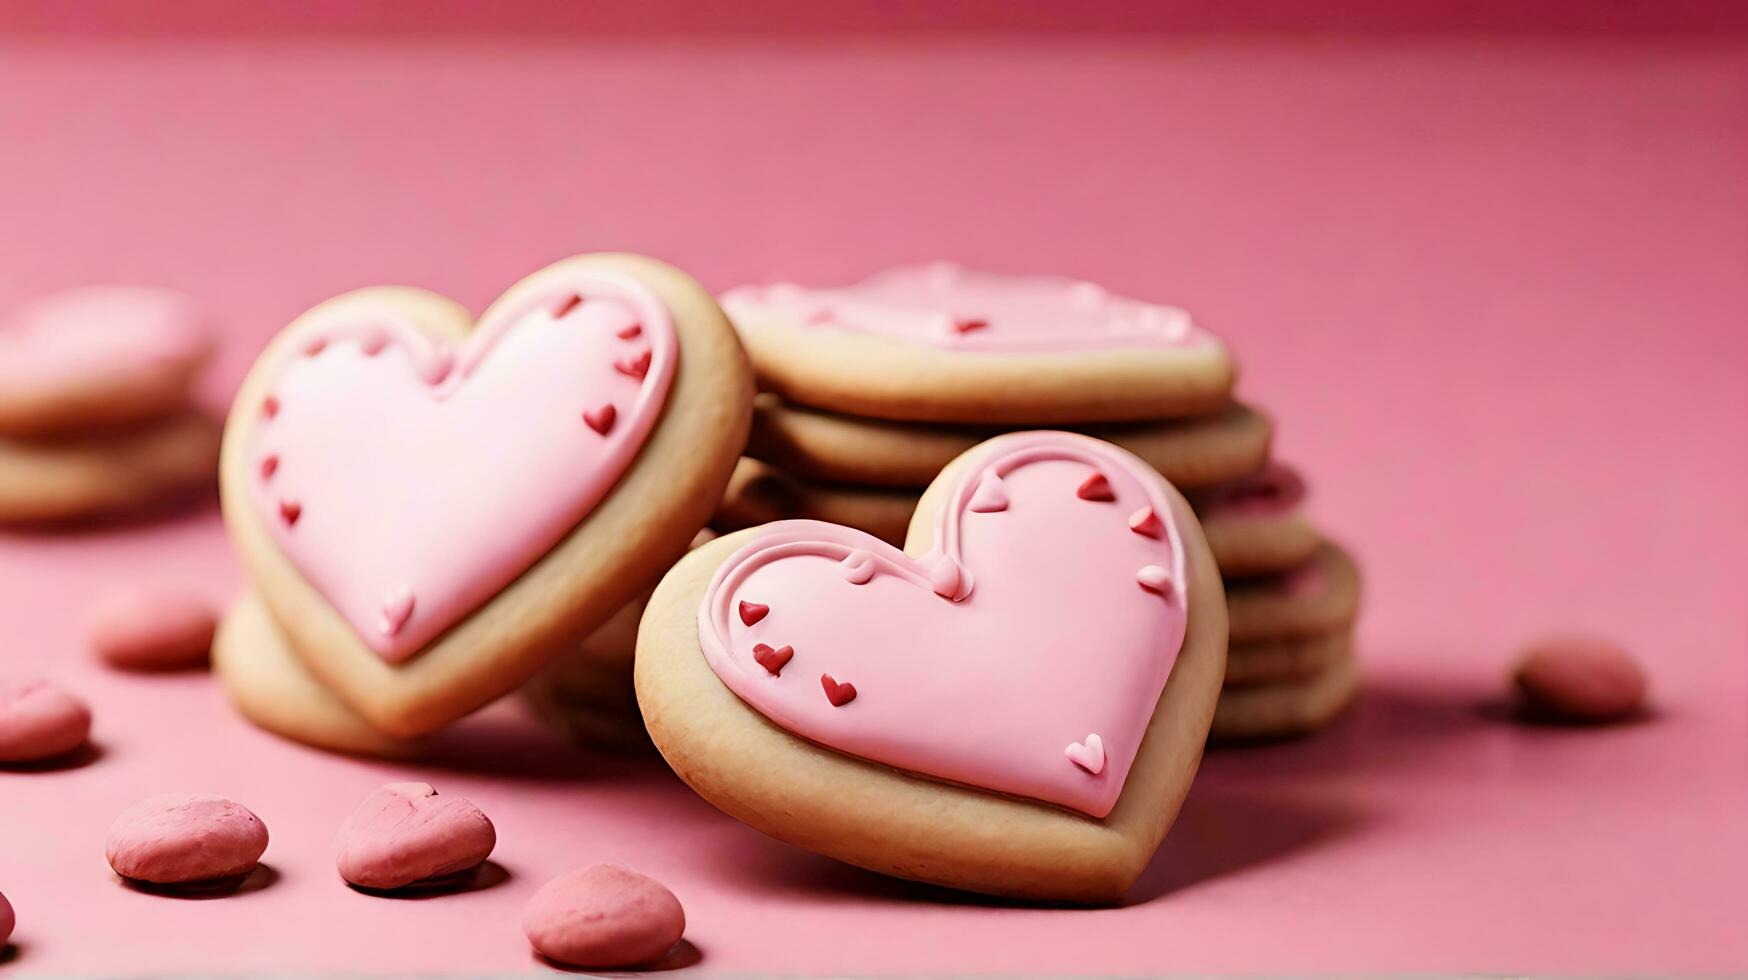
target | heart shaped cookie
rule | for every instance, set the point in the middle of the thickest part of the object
(431, 508)
(1013, 704)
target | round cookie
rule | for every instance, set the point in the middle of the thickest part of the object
(939, 343)
(1291, 658)
(759, 493)
(98, 356)
(269, 686)
(1256, 524)
(106, 473)
(1285, 710)
(906, 711)
(430, 506)
(1320, 597)
(1196, 452)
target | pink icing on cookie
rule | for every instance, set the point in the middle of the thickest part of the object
(1049, 637)
(97, 332)
(415, 483)
(1276, 489)
(943, 305)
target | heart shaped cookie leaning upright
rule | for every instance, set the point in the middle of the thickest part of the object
(431, 508)
(1014, 704)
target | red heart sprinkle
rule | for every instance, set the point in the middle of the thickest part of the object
(635, 367)
(1146, 522)
(966, 325)
(838, 694)
(1095, 487)
(316, 346)
(773, 660)
(575, 300)
(601, 419)
(752, 612)
(290, 511)
(626, 333)
(270, 407)
(269, 466)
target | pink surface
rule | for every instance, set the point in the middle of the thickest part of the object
(1492, 287)
(410, 480)
(1027, 596)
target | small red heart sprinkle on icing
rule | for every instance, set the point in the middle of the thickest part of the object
(626, 333)
(966, 324)
(773, 660)
(374, 343)
(1095, 487)
(1146, 522)
(570, 303)
(838, 694)
(1154, 579)
(269, 466)
(601, 419)
(315, 346)
(752, 612)
(634, 367)
(270, 407)
(290, 511)
(858, 567)
(396, 610)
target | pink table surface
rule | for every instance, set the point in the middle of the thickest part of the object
(1493, 287)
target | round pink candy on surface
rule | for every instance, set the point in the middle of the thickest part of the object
(404, 834)
(40, 721)
(1580, 678)
(603, 916)
(7, 921)
(180, 839)
(152, 629)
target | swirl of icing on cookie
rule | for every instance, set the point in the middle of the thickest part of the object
(99, 331)
(410, 479)
(946, 306)
(1024, 654)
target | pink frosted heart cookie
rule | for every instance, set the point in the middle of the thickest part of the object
(405, 834)
(39, 721)
(1015, 703)
(430, 508)
(604, 917)
(147, 628)
(98, 356)
(939, 343)
(177, 839)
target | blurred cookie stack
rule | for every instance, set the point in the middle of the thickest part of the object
(870, 390)
(96, 417)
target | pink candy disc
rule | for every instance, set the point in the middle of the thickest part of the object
(181, 839)
(603, 916)
(40, 721)
(1581, 679)
(147, 629)
(405, 834)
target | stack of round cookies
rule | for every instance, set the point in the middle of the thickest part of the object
(95, 411)
(868, 391)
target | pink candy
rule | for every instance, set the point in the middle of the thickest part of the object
(181, 839)
(152, 629)
(39, 721)
(603, 916)
(404, 833)
(1580, 678)
(7, 920)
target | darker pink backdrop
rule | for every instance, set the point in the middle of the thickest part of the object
(1493, 285)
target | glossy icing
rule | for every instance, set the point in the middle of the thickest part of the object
(944, 305)
(95, 332)
(411, 480)
(1050, 633)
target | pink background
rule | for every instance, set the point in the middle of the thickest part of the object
(1493, 285)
